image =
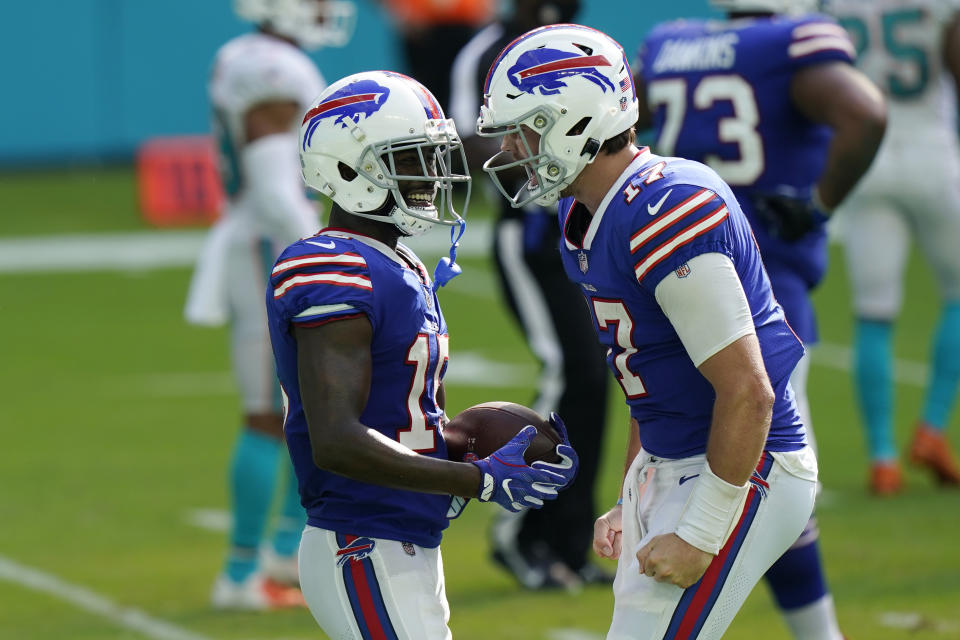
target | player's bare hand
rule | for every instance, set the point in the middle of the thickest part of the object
(607, 532)
(668, 558)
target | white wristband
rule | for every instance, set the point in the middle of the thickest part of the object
(711, 511)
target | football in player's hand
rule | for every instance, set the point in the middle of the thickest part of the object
(477, 432)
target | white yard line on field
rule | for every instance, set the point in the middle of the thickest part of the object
(218, 520)
(839, 356)
(143, 250)
(573, 634)
(917, 622)
(465, 368)
(127, 617)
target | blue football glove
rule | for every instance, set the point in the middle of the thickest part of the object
(507, 480)
(569, 463)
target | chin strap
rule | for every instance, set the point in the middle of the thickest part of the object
(447, 268)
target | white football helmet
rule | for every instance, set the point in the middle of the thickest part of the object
(773, 6)
(570, 84)
(312, 23)
(378, 144)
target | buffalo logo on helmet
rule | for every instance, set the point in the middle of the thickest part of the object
(356, 101)
(545, 69)
(355, 550)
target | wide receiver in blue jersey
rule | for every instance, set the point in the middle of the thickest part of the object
(361, 348)
(772, 102)
(724, 480)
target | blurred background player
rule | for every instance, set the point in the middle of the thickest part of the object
(431, 33)
(911, 49)
(260, 85)
(774, 105)
(547, 548)
(361, 347)
(680, 298)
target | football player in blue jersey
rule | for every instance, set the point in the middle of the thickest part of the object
(772, 102)
(260, 83)
(361, 349)
(724, 480)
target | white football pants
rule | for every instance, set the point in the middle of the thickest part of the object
(655, 491)
(359, 588)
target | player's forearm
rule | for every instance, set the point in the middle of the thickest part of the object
(851, 151)
(365, 455)
(738, 430)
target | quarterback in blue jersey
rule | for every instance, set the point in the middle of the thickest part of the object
(361, 348)
(772, 102)
(724, 480)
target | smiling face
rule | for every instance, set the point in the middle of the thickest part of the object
(409, 166)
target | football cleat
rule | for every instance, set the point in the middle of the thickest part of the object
(281, 569)
(885, 478)
(256, 593)
(538, 570)
(931, 449)
(535, 568)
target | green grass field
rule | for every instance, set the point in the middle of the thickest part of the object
(118, 420)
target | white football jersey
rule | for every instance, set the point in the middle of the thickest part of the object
(251, 69)
(912, 189)
(900, 47)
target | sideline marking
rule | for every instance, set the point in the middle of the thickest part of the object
(143, 250)
(91, 602)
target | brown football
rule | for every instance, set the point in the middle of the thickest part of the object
(477, 432)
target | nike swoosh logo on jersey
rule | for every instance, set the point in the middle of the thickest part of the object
(654, 210)
(685, 478)
(322, 245)
(487, 487)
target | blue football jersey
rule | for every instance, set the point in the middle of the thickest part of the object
(661, 213)
(335, 275)
(719, 93)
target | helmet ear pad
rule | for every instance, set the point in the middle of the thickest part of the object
(346, 172)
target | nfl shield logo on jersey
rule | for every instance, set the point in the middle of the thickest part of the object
(582, 259)
(683, 270)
